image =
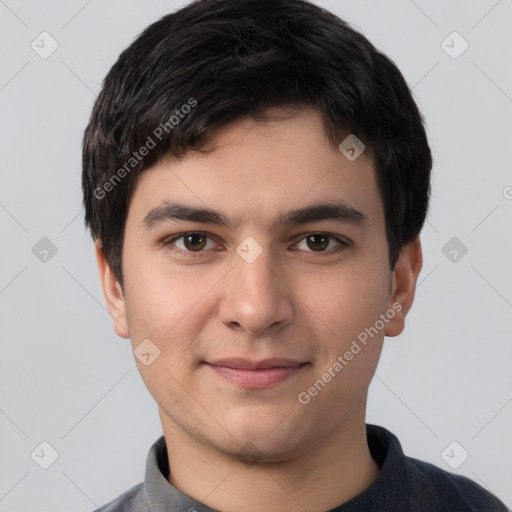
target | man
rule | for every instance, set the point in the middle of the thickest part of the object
(256, 176)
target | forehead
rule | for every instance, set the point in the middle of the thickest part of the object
(255, 171)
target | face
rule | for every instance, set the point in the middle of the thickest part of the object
(254, 272)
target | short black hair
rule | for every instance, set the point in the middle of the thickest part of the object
(216, 61)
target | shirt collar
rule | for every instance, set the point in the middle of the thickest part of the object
(161, 496)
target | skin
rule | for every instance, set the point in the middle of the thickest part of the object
(234, 447)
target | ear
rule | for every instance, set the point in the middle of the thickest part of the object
(404, 280)
(112, 292)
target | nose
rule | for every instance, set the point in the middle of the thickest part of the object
(257, 296)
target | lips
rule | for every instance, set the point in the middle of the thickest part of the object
(247, 364)
(256, 374)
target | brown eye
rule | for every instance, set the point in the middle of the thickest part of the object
(321, 243)
(191, 245)
(194, 242)
(318, 242)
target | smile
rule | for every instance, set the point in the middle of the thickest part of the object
(257, 375)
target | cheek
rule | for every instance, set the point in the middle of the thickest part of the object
(346, 312)
(347, 301)
(163, 300)
(171, 308)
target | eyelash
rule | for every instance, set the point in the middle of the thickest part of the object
(196, 254)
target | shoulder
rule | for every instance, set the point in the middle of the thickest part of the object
(406, 484)
(451, 491)
(130, 501)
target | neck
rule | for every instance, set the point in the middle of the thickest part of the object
(320, 479)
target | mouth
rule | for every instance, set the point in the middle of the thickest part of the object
(256, 374)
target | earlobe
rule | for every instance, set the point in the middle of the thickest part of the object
(112, 292)
(404, 280)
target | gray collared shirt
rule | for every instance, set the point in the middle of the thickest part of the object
(156, 494)
(404, 484)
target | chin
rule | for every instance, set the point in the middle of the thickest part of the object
(255, 440)
(262, 451)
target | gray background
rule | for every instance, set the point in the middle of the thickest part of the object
(67, 379)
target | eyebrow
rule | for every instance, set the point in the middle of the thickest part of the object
(339, 212)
